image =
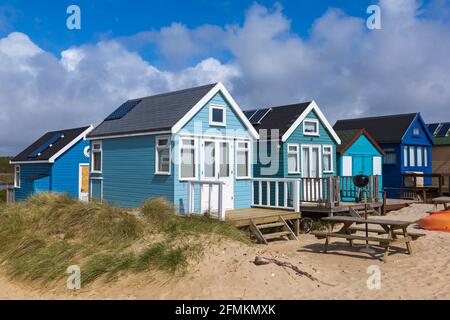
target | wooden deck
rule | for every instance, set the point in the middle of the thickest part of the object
(242, 217)
(343, 207)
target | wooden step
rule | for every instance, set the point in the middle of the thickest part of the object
(270, 225)
(275, 235)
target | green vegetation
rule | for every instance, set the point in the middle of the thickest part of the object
(5, 167)
(43, 236)
(2, 196)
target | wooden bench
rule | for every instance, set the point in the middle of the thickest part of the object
(413, 235)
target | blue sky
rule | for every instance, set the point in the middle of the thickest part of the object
(44, 20)
(266, 53)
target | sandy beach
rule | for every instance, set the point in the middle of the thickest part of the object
(227, 271)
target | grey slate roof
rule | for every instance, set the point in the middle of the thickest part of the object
(69, 136)
(154, 113)
(384, 129)
(281, 117)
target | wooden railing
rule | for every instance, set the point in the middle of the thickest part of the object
(289, 193)
(202, 183)
(276, 193)
(10, 194)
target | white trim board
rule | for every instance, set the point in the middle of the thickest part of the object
(219, 87)
(60, 152)
(312, 106)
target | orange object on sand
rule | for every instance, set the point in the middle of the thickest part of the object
(439, 221)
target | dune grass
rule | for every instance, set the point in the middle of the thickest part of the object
(44, 235)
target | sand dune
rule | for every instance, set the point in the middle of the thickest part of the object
(227, 272)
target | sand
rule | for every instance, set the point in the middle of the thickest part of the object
(227, 272)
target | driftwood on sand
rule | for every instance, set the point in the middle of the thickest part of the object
(262, 260)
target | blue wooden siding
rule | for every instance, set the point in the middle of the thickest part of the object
(96, 189)
(65, 171)
(362, 152)
(42, 184)
(28, 186)
(392, 173)
(128, 172)
(275, 168)
(199, 125)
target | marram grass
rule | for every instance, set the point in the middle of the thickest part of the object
(44, 235)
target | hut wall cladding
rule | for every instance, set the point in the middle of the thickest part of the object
(441, 159)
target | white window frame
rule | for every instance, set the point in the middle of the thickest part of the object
(17, 170)
(377, 166)
(249, 153)
(195, 148)
(324, 153)
(425, 156)
(416, 132)
(316, 122)
(297, 157)
(224, 112)
(419, 156)
(412, 156)
(93, 150)
(157, 149)
(347, 166)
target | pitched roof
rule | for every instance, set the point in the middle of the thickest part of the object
(349, 137)
(153, 113)
(384, 129)
(64, 138)
(281, 117)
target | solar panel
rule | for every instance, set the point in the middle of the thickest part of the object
(123, 110)
(259, 115)
(46, 145)
(249, 113)
(432, 127)
(443, 130)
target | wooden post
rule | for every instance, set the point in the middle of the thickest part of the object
(441, 178)
(190, 197)
(221, 203)
(384, 203)
(330, 187)
(296, 191)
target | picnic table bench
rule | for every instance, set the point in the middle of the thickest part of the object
(441, 200)
(392, 232)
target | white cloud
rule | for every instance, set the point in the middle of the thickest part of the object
(348, 69)
(40, 92)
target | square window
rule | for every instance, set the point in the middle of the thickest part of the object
(217, 115)
(311, 127)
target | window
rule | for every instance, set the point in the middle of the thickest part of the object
(187, 159)
(293, 159)
(242, 160)
(419, 156)
(311, 127)
(327, 158)
(97, 157)
(217, 115)
(16, 176)
(416, 132)
(210, 159)
(412, 157)
(162, 161)
(390, 157)
(405, 156)
(224, 165)
(425, 156)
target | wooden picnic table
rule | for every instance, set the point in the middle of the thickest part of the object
(441, 200)
(393, 232)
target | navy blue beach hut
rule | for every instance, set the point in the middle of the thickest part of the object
(56, 162)
(406, 142)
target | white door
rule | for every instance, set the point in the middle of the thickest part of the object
(217, 165)
(311, 168)
(83, 182)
